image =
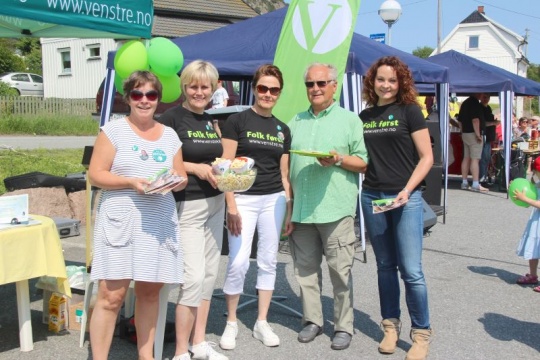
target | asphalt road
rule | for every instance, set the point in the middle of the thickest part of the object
(45, 142)
(477, 310)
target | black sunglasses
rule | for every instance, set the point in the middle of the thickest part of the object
(261, 89)
(320, 84)
(137, 95)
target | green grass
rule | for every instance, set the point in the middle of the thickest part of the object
(54, 162)
(49, 125)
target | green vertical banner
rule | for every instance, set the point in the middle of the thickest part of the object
(313, 31)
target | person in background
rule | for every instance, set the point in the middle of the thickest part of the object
(220, 96)
(136, 235)
(471, 117)
(490, 136)
(326, 192)
(201, 209)
(429, 102)
(534, 121)
(522, 131)
(264, 206)
(398, 143)
(529, 245)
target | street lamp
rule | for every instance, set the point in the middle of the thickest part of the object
(390, 11)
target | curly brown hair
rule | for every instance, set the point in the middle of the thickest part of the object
(406, 91)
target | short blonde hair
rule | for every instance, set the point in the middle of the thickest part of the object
(199, 71)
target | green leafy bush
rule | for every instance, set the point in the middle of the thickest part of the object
(6, 90)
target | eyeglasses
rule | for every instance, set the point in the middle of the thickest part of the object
(320, 84)
(137, 95)
(261, 89)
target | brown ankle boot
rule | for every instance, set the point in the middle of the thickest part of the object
(391, 328)
(420, 347)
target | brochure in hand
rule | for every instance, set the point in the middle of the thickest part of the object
(383, 205)
(163, 182)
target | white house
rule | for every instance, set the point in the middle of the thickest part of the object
(480, 37)
(75, 68)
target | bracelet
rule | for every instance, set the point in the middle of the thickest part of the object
(407, 191)
(289, 200)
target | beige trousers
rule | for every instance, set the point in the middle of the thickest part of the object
(308, 243)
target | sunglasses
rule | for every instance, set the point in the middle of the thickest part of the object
(320, 84)
(137, 95)
(261, 89)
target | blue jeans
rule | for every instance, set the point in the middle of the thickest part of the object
(396, 237)
(485, 159)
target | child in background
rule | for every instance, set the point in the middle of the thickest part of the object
(529, 245)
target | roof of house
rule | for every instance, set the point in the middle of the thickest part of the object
(175, 18)
(479, 16)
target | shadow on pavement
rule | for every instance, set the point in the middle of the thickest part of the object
(507, 276)
(505, 328)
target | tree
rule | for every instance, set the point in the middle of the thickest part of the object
(9, 61)
(20, 55)
(533, 73)
(423, 52)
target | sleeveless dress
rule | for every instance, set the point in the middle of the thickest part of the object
(136, 236)
(529, 245)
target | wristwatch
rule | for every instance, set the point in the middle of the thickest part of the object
(340, 160)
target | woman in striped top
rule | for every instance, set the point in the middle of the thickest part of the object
(136, 235)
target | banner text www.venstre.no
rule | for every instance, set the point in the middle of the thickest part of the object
(104, 11)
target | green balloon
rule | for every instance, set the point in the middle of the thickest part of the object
(164, 57)
(171, 88)
(521, 184)
(131, 56)
(119, 84)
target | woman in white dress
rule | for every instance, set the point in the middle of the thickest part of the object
(136, 235)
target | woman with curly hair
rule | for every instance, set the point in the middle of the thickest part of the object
(398, 143)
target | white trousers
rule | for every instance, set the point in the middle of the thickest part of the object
(266, 213)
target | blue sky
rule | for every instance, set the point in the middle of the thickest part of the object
(417, 26)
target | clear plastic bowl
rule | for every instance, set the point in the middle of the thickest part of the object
(236, 182)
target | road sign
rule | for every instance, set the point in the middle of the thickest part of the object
(378, 37)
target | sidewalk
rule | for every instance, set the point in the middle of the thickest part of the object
(477, 310)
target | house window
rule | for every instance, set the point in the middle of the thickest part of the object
(473, 42)
(65, 58)
(94, 51)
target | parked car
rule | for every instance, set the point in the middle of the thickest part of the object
(26, 84)
(119, 107)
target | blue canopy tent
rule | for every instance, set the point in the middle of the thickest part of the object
(237, 50)
(469, 75)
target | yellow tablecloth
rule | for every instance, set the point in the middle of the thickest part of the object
(32, 251)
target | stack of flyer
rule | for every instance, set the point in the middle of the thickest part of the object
(163, 182)
(383, 205)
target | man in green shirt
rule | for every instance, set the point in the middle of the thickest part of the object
(326, 192)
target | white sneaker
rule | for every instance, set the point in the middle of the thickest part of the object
(464, 186)
(228, 339)
(205, 351)
(182, 357)
(263, 332)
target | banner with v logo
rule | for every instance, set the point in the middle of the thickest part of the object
(313, 31)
